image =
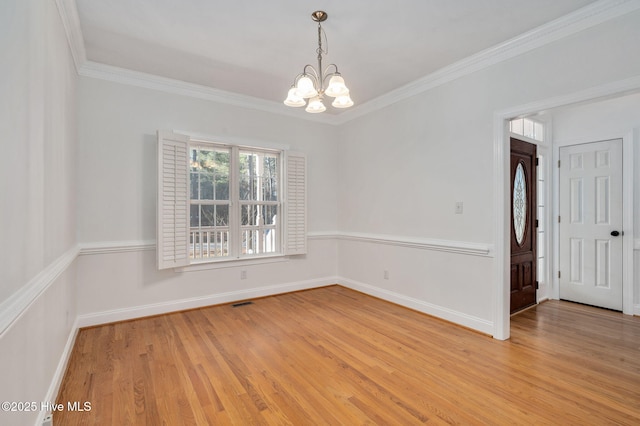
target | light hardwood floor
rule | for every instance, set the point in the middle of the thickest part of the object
(336, 356)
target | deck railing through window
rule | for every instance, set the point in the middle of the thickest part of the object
(259, 239)
(207, 244)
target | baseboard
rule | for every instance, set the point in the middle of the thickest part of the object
(105, 317)
(636, 310)
(456, 317)
(88, 320)
(56, 381)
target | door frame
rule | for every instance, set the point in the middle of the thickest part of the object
(501, 184)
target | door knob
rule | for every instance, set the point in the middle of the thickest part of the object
(615, 233)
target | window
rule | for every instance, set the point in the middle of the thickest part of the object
(528, 128)
(259, 202)
(209, 183)
(220, 202)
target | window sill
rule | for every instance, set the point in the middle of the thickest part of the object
(232, 263)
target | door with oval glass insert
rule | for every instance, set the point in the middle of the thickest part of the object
(523, 225)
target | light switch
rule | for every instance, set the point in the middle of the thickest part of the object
(459, 207)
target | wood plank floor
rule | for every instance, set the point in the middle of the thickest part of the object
(336, 356)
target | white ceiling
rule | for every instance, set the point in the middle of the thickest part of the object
(256, 48)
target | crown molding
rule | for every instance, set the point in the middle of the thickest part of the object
(586, 17)
(178, 87)
(71, 22)
(604, 91)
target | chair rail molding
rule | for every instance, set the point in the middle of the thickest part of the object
(105, 247)
(458, 247)
(12, 308)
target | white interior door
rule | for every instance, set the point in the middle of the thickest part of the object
(590, 217)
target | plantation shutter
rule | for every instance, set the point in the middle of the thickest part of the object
(295, 205)
(173, 200)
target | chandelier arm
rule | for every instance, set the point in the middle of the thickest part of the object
(310, 70)
(326, 74)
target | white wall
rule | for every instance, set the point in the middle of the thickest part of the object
(611, 118)
(117, 127)
(37, 213)
(382, 190)
(403, 168)
(387, 181)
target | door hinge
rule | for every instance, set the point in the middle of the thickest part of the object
(537, 161)
(537, 285)
(558, 219)
(558, 274)
(558, 163)
(536, 223)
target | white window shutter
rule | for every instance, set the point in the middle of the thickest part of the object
(295, 205)
(172, 246)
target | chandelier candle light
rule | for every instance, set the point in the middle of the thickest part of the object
(310, 84)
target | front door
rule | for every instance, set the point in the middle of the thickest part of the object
(591, 224)
(523, 225)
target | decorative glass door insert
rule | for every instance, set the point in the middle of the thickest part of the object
(519, 203)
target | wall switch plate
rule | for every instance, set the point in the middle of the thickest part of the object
(385, 274)
(243, 275)
(459, 207)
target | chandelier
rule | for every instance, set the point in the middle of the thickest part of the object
(310, 83)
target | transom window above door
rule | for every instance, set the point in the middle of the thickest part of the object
(528, 128)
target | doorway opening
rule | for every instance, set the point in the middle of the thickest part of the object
(502, 118)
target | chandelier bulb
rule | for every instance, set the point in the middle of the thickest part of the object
(305, 88)
(336, 87)
(315, 105)
(293, 100)
(342, 102)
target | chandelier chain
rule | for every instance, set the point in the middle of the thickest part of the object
(326, 41)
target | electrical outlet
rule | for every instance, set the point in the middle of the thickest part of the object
(385, 274)
(243, 275)
(48, 420)
(459, 207)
